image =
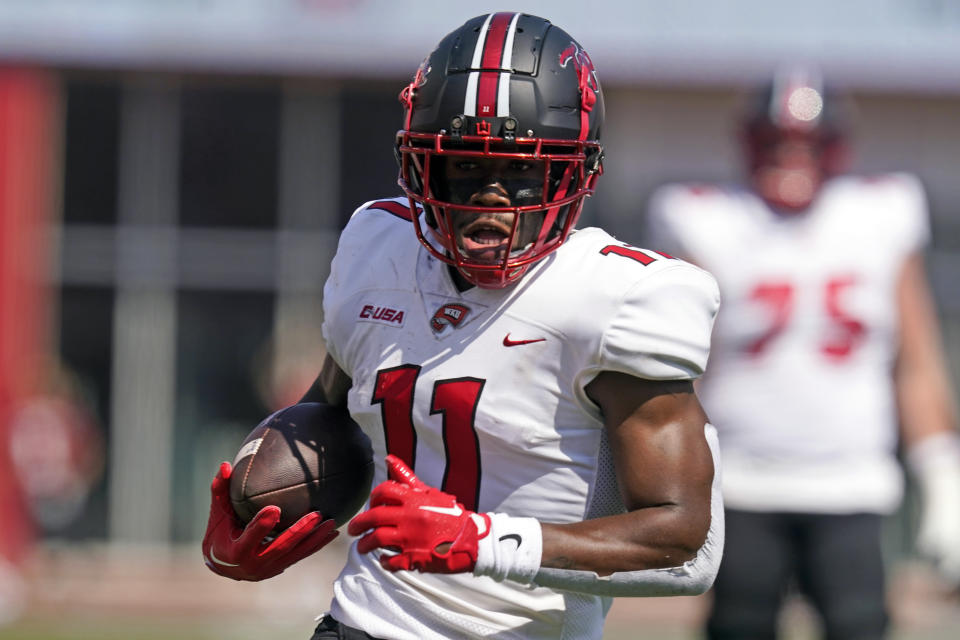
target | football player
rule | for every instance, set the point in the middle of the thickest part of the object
(526, 386)
(825, 359)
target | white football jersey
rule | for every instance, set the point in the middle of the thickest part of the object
(800, 385)
(483, 391)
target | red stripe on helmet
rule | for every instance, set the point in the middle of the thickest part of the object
(493, 50)
(551, 216)
(587, 80)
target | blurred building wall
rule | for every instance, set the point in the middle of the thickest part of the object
(207, 267)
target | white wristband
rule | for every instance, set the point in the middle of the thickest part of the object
(511, 550)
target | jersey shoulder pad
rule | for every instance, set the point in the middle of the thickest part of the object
(592, 246)
(613, 260)
(692, 197)
(894, 205)
(398, 207)
(661, 308)
(681, 217)
(701, 190)
(377, 249)
(897, 184)
(663, 325)
(371, 223)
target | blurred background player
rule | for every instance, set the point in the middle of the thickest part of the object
(826, 359)
(563, 457)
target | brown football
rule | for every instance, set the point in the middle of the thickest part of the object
(307, 457)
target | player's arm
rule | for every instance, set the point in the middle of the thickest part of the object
(928, 419)
(668, 543)
(255, 551)
(665, 472)
(331, 385)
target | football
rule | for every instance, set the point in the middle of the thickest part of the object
(307, 457)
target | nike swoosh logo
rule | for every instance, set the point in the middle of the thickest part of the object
(507, 342)
(217, 560)
(454, 511)
(512, 536)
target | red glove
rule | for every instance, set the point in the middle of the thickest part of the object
(414, 519)
(246, 553)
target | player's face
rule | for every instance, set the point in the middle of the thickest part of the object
(493, 182)
(789, 173)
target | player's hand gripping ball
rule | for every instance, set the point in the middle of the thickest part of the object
(301, 473)
(426, 528)
(307, 457)
(250, 552)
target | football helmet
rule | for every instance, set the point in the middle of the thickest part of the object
(794, 137)
(507, 103)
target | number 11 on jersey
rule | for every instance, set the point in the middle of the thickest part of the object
(455, 400)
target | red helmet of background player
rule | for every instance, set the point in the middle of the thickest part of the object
(507, 87)
(794, 138)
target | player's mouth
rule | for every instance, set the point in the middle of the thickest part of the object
(485, 239)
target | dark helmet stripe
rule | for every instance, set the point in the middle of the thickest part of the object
(488, 92)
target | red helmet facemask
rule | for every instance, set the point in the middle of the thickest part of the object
(491, 228)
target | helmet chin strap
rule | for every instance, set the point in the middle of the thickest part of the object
(460, 280)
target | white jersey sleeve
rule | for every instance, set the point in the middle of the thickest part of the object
(901, 204)
(680, 219)
(661, 330)
(354, 271)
